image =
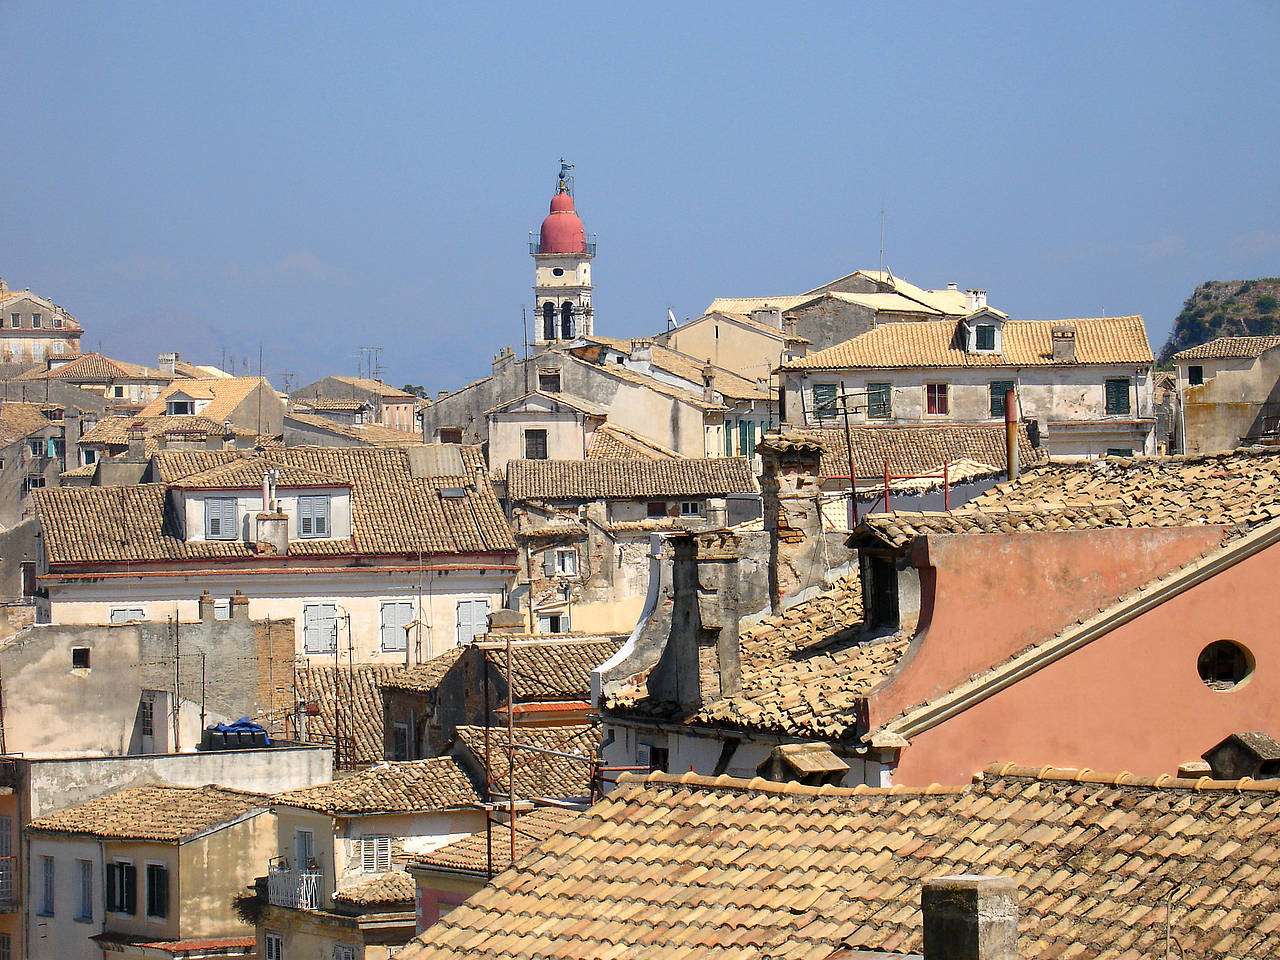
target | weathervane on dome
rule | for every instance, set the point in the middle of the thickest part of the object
(566, 178)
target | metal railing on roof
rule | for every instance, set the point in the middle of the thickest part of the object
(589, 248)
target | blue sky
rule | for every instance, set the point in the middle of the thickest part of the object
(316, 177)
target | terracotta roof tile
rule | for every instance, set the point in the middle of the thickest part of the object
(471, 853)
(610, 442)
(1227, 348)
(393, 512)
(19, 420)
(912, 450)
(114, 431)
(406, 786)
(934, 343)
(352, 691)
(161, 813)
(374, 434)
(94, 367)
(628, 479)
(422, 677)
(223, 393)
(538, 775)
(733, 869)
(395, 886)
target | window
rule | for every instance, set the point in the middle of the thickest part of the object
(400, 741)
(655, 758)
(879, 401)
(118, 391)
(147, 715)
(1195, 375)
(473, 620)
(937, 399)
(1224, 665)
(274, 946)
(57, 325)
(998, 389)
(313, 516)
(1119, 451)
(450, 434)
(36, 447)
(824, 400)
(1117, 396)
(549, 382)
(127, 614)
(179, 408)
(746, 438)
(220, 518)
(984, 337)
(5, 949)
(46, 886)
(15, 320)
(222, 609)
(6, 859)
(657, 508)
(553, 623)
(396, 615)
(560, 562)
(157, 890)
(535, 444)
(375, 854)
(319, 628)
(37, 321)
(84, 911)
(35, 481)
(343, 952)
(79, 658)
(690, 508)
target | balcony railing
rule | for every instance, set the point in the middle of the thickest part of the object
(535, 247)
(299, 889)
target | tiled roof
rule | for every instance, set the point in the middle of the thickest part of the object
(610, 442)
(92, 367)
(331, 403)
(407, 786)
(422, 677)
(246, 473)
(223, 393)
(804, 670)
(886, 302)
(393, 887)
(1228, 348)
(1026, 343)
(161, 813)
(18, 420)
(393, 512)
(374, 434)
(748, 305)
(587, 407)
(731, 385)
(913, 450)
(554, 669)
(114, 431)
(385, 390)
(628, 479)
(902, 526)
(1237, 487)
(538, 775)
(472, 853)
(349, 698)
(734, 869)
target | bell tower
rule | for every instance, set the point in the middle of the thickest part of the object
(562, 269)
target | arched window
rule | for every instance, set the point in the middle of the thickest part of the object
(548, 321)
(566, 320)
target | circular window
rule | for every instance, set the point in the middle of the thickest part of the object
(1224, 665)
(558, 272)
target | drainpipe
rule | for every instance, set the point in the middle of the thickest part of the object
(1011, 434)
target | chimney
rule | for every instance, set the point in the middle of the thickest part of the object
(641, 350)
(953, 286)
(4, 287)
(970, 917)
(792, 501)
(271, 533)
(205, 604)
(1011, 434)
(708, 383)
(770, 318)
(168, 362)
(240, 608)
(717, 513)
(137, 433)
(975, 300)
(506, 621)
(704, 588)
(442, 394)
(1063, 336)
(502, 360)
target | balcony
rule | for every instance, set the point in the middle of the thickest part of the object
(299, 889)
(535, 247)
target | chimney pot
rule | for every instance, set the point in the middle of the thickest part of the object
(953, 285)
(1063, 337)
(970, 917)
(975, 300)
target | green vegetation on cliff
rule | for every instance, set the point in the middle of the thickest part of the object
(1226, 308)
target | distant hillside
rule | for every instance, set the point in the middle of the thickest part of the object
(1226, 308)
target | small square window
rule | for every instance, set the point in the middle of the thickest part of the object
(937, 399)
(549, 382)
(450, 434)
(690, 508)
(15, 320)
(566, 561)
(1118, 396)
(117, 391)
(984, 337)
(1195, 375)
(535, 445)
(879, 401)
(825, 396)
(37, 321)
(79, 658)
(657, 508)
(220, 518)
(313, 516)
(553, 623)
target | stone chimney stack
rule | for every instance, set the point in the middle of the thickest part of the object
(168, 362)
(970, 917)
(642, 351)
(1063, 336)
(136, 449)
(205, 606)
(975, 300)
(792, 511)
(502, 360)
(709, 384)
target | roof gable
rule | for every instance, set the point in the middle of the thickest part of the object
(409, 786)
(639, 479)
(163, 814)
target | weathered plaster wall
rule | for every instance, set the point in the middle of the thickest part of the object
(215, 869)
(726, 343)
(1230, 403)
(1130, 700)
(985, 597)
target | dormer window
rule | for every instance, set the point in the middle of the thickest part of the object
(220, 518)
(179, 408)
(313, 516)
(984, 337)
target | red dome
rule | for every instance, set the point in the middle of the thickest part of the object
(562, 230)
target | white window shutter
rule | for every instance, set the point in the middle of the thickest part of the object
(549, 562)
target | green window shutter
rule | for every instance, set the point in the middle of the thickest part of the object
(1117, 396)
(129, 875)
(879, 401)
(998, 389)
(824, 400)
(113, 884)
